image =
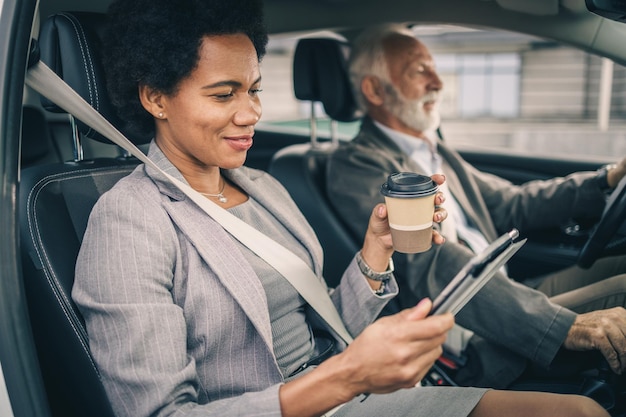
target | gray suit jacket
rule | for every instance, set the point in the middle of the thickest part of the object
(515, 321)
(177, 319)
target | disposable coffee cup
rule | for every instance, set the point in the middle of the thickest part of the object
(410, 200)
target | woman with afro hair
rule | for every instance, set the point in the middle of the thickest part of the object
(185, 320)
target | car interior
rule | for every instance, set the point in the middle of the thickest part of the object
(66, 165)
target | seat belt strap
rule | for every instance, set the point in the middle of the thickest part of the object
(47, 83)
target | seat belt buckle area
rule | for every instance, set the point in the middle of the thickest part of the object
(444, 370)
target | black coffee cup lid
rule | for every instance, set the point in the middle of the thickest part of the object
(408, 185)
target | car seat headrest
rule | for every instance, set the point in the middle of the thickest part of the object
(320, 74)
(70, 44)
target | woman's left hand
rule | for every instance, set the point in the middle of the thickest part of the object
(377, 245)
(440, 213)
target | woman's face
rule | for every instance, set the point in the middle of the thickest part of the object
(209, 121)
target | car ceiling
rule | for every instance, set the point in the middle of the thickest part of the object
(566, 21)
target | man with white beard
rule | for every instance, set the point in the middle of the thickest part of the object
(397, 87)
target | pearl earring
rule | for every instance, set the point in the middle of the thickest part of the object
(160, 115)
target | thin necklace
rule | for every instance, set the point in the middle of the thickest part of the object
(220, 196)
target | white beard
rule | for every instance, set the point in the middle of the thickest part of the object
(412, 112)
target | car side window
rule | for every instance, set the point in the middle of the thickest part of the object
(502, 91)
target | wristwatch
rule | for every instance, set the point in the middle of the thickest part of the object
(370, 273)
(602, 179)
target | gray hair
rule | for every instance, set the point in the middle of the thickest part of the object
(367, 57)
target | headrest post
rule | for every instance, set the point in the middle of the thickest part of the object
(334, 132)
(76, 141)
(313, 121)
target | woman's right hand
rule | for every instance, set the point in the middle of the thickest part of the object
(394, 352)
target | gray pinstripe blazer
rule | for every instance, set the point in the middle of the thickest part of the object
(177, 318)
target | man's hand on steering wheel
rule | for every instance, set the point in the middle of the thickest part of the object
(612, 217)
(615, 173)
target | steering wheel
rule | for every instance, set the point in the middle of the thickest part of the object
(601, 242)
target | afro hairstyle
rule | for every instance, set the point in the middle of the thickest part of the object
(156, 43)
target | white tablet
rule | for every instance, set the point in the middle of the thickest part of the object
(476, 273)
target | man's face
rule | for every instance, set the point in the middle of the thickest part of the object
(413, 113)
(413, 95)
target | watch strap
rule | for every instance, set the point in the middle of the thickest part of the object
(370, 273)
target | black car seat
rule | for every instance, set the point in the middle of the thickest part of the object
(319, 76)
(36, 147)
(54, 202)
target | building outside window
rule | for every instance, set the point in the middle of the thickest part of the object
(480, 85)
